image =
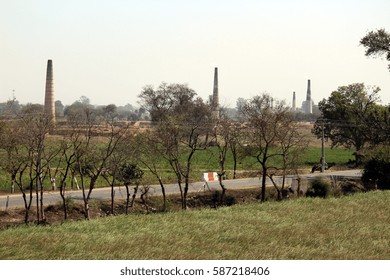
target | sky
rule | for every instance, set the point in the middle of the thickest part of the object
(109, 50)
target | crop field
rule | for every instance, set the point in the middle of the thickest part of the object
(207, 160)
(203, 161)
(351, 227)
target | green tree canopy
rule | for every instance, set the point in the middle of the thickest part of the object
(165, 99)
(377, 43)
(345, 115)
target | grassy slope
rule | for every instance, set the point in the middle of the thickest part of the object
(354, 227)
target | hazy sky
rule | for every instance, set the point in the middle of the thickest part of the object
(108, 50)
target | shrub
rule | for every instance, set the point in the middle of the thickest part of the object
(319, 187)
(351, 187)
(227, 201)
(377, 171)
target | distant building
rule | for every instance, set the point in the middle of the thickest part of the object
(308, 106)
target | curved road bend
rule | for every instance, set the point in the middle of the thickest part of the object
(16, 200)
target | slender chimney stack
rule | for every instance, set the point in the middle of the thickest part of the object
(294, 103)
(309, 109)
(215, 98)
(49, 92)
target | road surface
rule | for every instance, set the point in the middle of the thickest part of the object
(16, 200)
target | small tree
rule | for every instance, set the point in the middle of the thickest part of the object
(264, 119)
(291, 144)
(183, 122)
(37, 126)
(121, 154)
(130, 174)
(225, 137)
(146, 150)
(15, 160)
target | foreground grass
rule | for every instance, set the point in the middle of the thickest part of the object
(354, 227)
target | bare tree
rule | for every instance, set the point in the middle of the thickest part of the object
(224, 138)
(82, 124)
(130, 174)
(234, 143)
(61, 167)
(23, 141)
(147, 149)
(37, 126)
(290, 145)
(182, 123)
(15, 160)
(121, 154)
(92, 153)
(264, 119)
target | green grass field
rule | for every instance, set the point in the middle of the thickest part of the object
(352, 227)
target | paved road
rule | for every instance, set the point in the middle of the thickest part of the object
(16, 200)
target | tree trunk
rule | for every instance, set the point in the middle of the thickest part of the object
(85, 198)
(134, 195)
(13, 183)
(86, 209)
(263, 184)
(26, 208)
(234, 165)
(37, 203)
(222, 187)
(127, 198)
(279, 194)
(112, 199)
(163, 194)
(184, 200)
(143, 198)
(181, 194)
(92, 185)
(64, 204)
(278, 190)
(42, 210)
(186, 187)
(299, 186)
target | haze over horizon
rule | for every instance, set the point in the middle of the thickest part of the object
(109, 50)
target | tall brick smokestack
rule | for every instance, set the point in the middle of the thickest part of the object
(49, 92)
(309, 109)
(215, 98)
(294, 103)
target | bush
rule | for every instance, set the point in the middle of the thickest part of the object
(319, 187)
(377, 171)
(227, 201)
(350, 187)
